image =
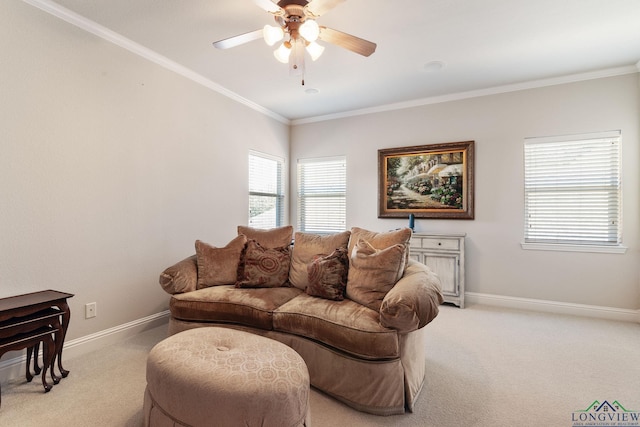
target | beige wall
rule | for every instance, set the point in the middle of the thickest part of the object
(496, 264)
(110, 168)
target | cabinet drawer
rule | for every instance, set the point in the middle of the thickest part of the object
(435, 243)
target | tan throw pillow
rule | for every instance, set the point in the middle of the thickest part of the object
(219, 266)
(373, 272)
(271, 238)
(328, 276)
(264, 267)
(308, 247)
(381, 240)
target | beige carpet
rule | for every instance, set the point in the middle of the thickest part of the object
(485, 367)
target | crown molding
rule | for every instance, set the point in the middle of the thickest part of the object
(96, 29)
(92, 27)
(611, 72)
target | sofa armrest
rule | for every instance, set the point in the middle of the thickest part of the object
(181, 277)
(414, 300)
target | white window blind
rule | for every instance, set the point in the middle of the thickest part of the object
(322, 190)
(572, 189)
(266, 191)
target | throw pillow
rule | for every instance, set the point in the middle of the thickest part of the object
(264, 267)
(308, 247)
(328, 276)
(219, 266)
(271, 238)
(373, 272)
(382, 240)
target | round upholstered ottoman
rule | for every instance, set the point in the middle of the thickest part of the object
(217, 376)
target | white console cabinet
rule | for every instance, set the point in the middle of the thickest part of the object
(444, 254)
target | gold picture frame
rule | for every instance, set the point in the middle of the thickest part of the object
(428, 181)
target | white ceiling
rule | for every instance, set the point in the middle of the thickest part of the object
(483, 44)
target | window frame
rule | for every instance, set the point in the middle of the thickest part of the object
(305, 195)
(571, 245)
(279, 195)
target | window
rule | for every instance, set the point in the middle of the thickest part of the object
(572, 192)
(266, 191)
(322, 194)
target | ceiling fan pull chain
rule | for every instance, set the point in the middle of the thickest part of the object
(297, 20)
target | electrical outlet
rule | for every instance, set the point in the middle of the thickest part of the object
(90, 310)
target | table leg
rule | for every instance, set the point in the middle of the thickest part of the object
(58, 342)
(29, 353)
(36, 350)
(66, 316)
(48, 354)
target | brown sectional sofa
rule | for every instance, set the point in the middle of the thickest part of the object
(372, 360)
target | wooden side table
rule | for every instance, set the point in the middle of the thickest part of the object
(19, 341)
(28, 319)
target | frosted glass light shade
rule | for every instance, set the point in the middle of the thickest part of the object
(310, 30)
(282, 53)
(272, 34)
(315, 50)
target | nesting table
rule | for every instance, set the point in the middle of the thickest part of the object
(30, 319)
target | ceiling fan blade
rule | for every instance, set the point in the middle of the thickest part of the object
(347, 41)
(238, 40)
(319, 7)
(269, 6)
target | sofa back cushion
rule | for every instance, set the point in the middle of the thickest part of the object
(272, 238)
(308, 247)
(219, 266)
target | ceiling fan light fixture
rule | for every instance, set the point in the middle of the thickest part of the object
(296, 25)
(272, 34)
(282, 53)
(315, 50)
(296, 60)
(309, 30)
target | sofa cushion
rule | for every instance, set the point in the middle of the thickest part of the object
(271, 238)
(381, 240)
(373, 272)
(308, 247)
(219, 266)
(344, 325)
(228, 304)
(328, 275)
(264, 267)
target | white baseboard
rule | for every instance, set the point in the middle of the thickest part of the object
(595, 311)
(15, 367)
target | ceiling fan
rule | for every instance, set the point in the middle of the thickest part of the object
(296, 25)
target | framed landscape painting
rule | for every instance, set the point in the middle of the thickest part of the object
(428, 181)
